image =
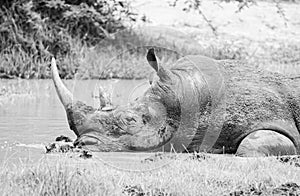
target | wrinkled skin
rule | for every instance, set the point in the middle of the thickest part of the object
(193, 90)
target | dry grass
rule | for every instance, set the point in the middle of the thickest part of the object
(267, 42)
(217, 175)
(120, 57)
(124, 57)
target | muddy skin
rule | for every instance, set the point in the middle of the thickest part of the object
(199, 104)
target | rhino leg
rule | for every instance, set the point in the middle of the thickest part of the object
(266, 143)
(83, 141)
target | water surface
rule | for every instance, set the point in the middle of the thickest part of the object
(32, 116)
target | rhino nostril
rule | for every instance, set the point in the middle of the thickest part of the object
(144, 121)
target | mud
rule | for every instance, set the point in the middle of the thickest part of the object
(291, 189)
(137, 190)
(64, 144)
(292, 160)
(160, 156)
(287, 189)
(198, 156)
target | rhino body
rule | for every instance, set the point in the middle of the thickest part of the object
(255, 112)
(199, 104)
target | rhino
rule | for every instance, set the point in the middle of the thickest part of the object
(197, 104)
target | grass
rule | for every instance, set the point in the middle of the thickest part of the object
(113, 58)
(124, 56)
(216, 175)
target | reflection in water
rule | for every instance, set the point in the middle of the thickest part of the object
(31, 114)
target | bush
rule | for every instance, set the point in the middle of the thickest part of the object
(44, 27)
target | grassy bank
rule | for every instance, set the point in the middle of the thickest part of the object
(124, 56)
(38, 31)
(192, 175)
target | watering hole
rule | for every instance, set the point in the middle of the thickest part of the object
(32, 116)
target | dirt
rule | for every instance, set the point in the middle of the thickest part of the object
(198, 156)
(64, 144)
(137, 190)
(195, 156)
(292, 160)
(160, 156)
(290, 188)
(287, 189)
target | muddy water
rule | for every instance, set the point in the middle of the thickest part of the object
(32, 116)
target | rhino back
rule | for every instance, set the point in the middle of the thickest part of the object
(245, 99)
(258, 99)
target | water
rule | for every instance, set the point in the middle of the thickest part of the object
(32, 116)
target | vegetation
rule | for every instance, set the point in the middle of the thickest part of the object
(93, 39)
(32, 30)
(198, 174)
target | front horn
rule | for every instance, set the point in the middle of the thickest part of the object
(65, 96)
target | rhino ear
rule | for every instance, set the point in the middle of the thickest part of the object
(163, 74)
(152, 60)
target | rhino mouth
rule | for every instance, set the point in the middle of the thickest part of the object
(100, 143)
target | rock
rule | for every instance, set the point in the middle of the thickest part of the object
(59, 147)
(64, 144)
(63, 138)
(85, 154)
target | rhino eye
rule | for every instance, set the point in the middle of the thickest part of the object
(146, 118)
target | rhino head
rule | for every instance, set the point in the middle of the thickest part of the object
(147, 123)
